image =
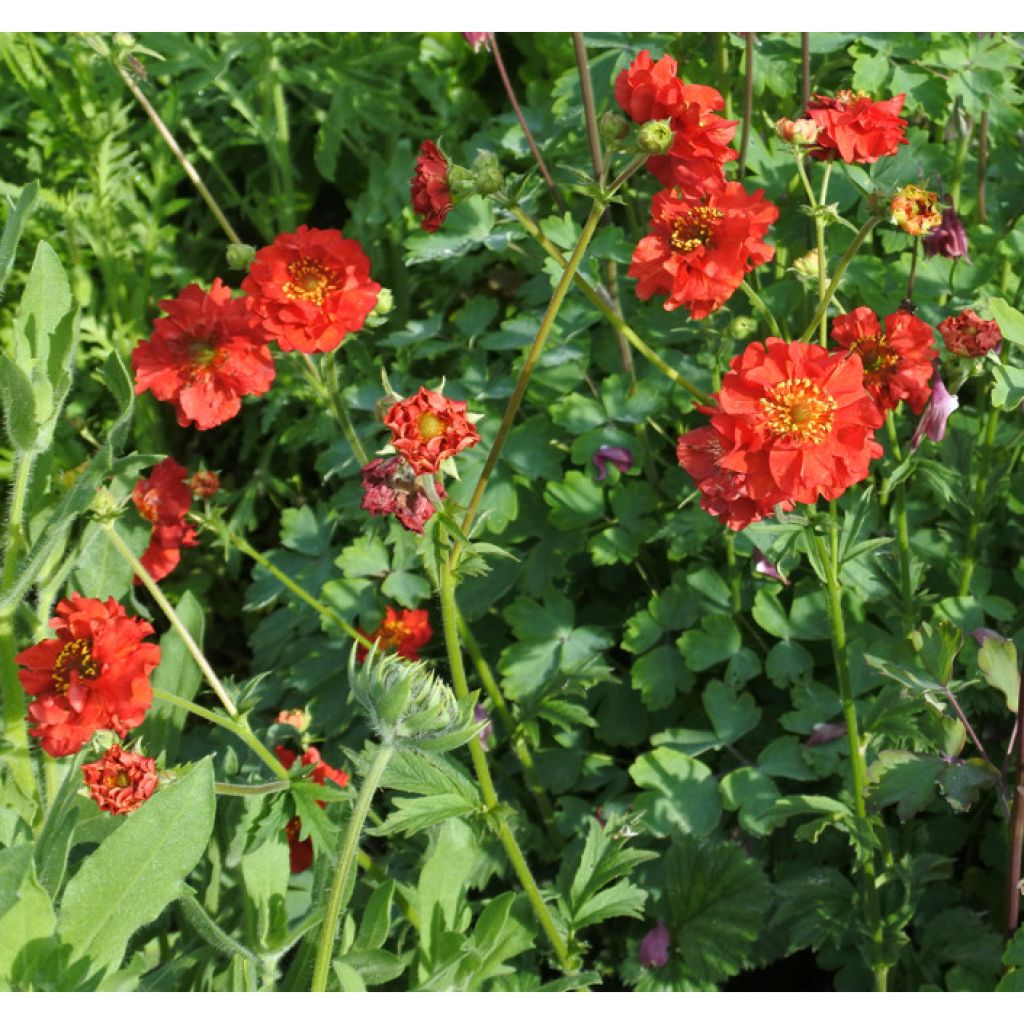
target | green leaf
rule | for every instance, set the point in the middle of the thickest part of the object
(19, 405)
(681, 795)
(26, 913)
(716, 641)
(576, 501)
(997, 660)
(51, 852)
(137, 870)
(732, 714)
(751, 793)
(717, 900)
(376, 920)
(1007, 385)
(659, 675)
(413, 814)
(905, 779)
(816, 907)
(1010, 320)
(468, 226)
(13, 228)
(265, 874)
(366, 556)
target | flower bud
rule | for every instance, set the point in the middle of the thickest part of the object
(653, 950)
(487, 176)
(461, 182)
(240, 255)
(802, 132)
(298, 718)
(385, 302)
(806, 267)
(614, 128)
(105, 507)
(915, 211)
(655, 137)
(204, 483)
(949, 239)
(478, 40)
(741, 327)
(620, 458)
(941, 405)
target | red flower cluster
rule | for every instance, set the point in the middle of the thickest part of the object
(431, 198)
(164, 500)
(968, 336)
(120, 781)
(404, 632)
(855, 128)
(428, 428)
(93, 675)
(897, 361)
(301, 850)
(699, 250)
(309, 289)
(391, 489)
(793, 423)
(203, 357)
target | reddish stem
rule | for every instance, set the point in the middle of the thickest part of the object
(1016, 828)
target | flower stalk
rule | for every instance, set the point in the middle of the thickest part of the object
(980, 493)
(902, 529)
(329, 390)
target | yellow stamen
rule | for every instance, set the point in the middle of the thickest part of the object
(76, 655)
(310, 280)
(695, 228)
(799, 410)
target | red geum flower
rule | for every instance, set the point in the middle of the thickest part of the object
(203, 357)
(309, 289)
(797, 421)
(428, 428)
(699, 250)
(93, 675)
(650, 90)
(164, 500)
(968, 336)
(402, 631)
(856, 128)
(390, 489)
(723, 492)
(897, 362)
(204, 483)
(700, 149)
(300, 851)
(120, 781)
(431, 197)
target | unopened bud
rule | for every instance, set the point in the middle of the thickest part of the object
(487, 175)
(105, 506)
(461, 182)
(239, 255)
(741, 327)
(655, 137)
(385, 302)
(806, 267)
(803, 132)
(298, 718)
(614, 127)
(204, 483)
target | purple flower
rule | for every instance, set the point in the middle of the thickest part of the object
(620, 458)
(825, 732)
(487, 731)
(949, 238)
(766, 568)
(478, 40)
(653, 948)
(933, 421)
(983, 634)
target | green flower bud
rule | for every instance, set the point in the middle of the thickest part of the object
(105, 506)
(806, 267)
(461, 182)
(614, 127)
(487, 175)
(385, 302)
(240, 255)
(741, 327)
(655, 137)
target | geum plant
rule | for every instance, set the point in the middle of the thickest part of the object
(120, 840)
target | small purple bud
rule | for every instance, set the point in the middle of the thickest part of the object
(949, 238)
(766, 568)
(983, 634)
(620, 458)
(825, 732)
(478, 40)
(487, 731)
(933, 421)
(653, 948)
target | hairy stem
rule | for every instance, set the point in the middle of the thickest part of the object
(748, 99)
(251, 789)
(980, 492)
(902, 530)
(1016, 827)
(329, 390)
(761, 306)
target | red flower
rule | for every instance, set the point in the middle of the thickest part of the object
(699, 250)
(203, 356)
(164, 499)
(300, 851)
(897, 361)
(968, 336)
(94, 675)
(700, 148)
(120, 782)
(405, 632)
(309, 289)
(723, 492)
(650, 90)
(431, 198)
(856, 128)
(797, 421)
(428, 428)
(390, 489)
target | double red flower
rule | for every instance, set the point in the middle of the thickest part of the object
(93, 675)
(309, 289)
(164, 500)
(120, 781)
(404, 632)
(203, 357)
(897, 361)
(431, 197)
(855, 128)
(968, 336)
(428, 428)
(301, 850)
(699, 249)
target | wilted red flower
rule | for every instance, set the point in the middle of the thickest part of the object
(309, 289)
(856, 128)
(968, 336)
(390, 489)
(699, 250)
(797, 421)
(93, 675)
(204, 483)
(700, 148)
(431, 197)
(428, 428)
(915, 210)
(897, 361)
(203, 357)
(949, 239)
(120, 781)
(650, 90)
(164, 500)
(402, 631)
(300, 851)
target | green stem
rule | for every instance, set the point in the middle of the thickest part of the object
(534, 231)
(282, 140)
(759, 304)
(237, 728)
(819, 234)
(902, 529)
(980, 488)
(257, 789)
(734, 576)
(330, 391)
(858, 765)
(346, 857)
(165, 606)
(450, 619)
(958, 163)
(748, 99)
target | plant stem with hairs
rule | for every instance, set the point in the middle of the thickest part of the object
(902, 530)
(329, 391)
(980, 493)
(1013, 867)
(748, 99)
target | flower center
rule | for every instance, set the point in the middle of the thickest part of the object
(310, 280)
(75, 656)
(149, 506)
(695, 228)
(202, 352)
(117, 780)
(799, 410)
(392, 633)
(429, 426)
(875, 353)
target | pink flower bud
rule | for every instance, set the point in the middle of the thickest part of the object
(940, 407)
(654, 946)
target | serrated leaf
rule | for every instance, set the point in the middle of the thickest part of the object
(1010, 320)
(13, 227)
(997, 659)
(681, 795)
